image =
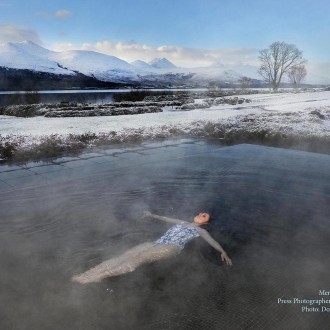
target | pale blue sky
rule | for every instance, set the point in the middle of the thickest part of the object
(198, 24)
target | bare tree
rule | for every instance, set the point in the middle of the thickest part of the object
(297, 74)
(277, 60)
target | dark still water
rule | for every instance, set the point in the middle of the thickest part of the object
(94, 97)
(84, 96)
(270, 210)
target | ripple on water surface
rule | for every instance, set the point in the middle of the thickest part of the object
(270, 211)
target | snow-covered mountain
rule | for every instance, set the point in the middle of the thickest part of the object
(89, 62)
(28, 55)
(162, 63)
(225, 73)
(101, 66)
(141, 65)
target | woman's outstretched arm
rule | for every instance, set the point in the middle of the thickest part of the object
(207, 237)
(148, 214)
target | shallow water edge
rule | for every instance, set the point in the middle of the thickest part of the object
(21, 149)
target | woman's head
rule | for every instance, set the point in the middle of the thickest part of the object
(202, 218)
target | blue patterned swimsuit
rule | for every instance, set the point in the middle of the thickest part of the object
(178, 235)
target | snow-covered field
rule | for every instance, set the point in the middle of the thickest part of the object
(302, 115)
(263, 104)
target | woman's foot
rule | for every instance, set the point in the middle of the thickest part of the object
(83, 279)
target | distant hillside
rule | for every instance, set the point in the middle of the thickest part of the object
(19, 79)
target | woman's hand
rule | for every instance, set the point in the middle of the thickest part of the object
(226, 259)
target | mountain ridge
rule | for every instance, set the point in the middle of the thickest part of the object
(161, 63)
(107, 68)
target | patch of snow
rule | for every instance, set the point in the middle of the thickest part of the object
(288, 101)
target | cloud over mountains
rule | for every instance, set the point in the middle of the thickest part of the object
(181, 56)
(13, 33)
(184, 57)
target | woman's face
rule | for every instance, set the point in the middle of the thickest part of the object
(202, 218)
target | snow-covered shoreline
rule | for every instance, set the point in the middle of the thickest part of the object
(300, 116)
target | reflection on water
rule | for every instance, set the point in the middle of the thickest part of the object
(69, 96)
(270, 211)
(82, 96)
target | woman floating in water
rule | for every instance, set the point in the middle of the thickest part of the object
(170, 244)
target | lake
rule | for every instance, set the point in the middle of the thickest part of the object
(80, 96)
(270, 211)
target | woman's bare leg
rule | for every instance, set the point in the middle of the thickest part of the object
(127, 262)
(97, 273)
(154, 253)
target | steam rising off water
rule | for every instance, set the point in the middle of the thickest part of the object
(270, 211)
